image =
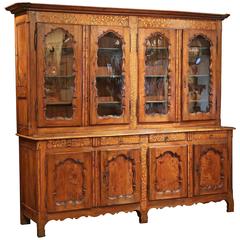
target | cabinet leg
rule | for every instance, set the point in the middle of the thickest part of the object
(143, 216)
(230, 204)
(23, 219)
(41, 229)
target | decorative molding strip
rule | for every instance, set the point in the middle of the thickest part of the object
(63, 143)
(84, 19)
(176, 23)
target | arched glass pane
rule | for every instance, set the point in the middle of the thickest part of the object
(109, 78)
(156, 75)
(59, 74)
(199, 75)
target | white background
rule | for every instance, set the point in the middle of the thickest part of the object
(201, 221)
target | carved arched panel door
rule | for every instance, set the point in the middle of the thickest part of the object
(156, 56)
(168, 172)
(200, 83)
(109, 75)
(210, 168)
(120, 176)
(59, 74)
(69, 180)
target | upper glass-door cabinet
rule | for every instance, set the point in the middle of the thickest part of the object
(109, 74)
(59, 55)
(199, 75)
(156, 55)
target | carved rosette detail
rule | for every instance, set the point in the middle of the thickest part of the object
(64, 143)
(133, 172)
(74, 197)
(83, 19)
(176, 185)
(149, 22)
(206, 155)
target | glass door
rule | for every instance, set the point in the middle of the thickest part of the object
(199, 75)
(59, 55)
(109, 73)
(156, 56)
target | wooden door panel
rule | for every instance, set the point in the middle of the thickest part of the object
(157, 84)
(109, 75)
(199, 83)
(167, 172)
(59, 74)
(120, 176)
(69, 181)
(210, 173)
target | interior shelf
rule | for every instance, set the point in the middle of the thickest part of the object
(60, 77)
(59, 103)
(200, 75)
(154, 76)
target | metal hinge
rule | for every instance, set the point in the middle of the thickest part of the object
(35, 37)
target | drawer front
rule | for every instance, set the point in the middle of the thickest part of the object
(210, 135)
(66, 143)
(104, 141)
(169, 137)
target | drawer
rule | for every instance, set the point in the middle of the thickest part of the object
(65, 143)
(210, 135)
(119, 140)
(169, 137)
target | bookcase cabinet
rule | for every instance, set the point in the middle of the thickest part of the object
(118, 110)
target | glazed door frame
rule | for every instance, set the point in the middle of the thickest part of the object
(76, 31)
(58, 166)
(176, 154)
(126, 157)
(214, 95)
(205, 171)
(96, 32)
(170, 35)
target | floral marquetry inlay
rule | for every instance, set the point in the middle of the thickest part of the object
(84, 19)
(148, 22)
(63, 143)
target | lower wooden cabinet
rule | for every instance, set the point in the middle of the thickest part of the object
(210, 168)
(97, 175)
(120, 176)
(69, 181)
(168, 172)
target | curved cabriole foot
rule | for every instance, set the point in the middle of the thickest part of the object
(230, 205)
(143, 216)
(41, 229)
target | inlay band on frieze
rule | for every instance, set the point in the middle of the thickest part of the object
(83, 19)
(176, 23)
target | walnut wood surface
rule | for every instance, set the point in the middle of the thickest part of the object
(88, 166)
